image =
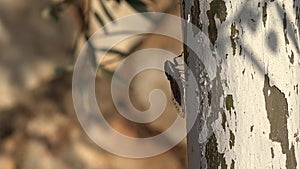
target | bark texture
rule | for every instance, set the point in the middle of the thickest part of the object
(248, 110)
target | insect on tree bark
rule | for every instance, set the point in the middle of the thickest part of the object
(174, 76)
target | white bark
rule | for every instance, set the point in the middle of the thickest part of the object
(249, 111)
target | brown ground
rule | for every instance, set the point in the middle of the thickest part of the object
(38, 125)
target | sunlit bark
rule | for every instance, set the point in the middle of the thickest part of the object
(249, 113)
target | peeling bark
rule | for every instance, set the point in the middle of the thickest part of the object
(218, 9)
(248, 114)
(277, 113)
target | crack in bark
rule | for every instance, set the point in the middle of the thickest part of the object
(265, 15)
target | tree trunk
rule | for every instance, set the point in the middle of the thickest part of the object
(248, 103)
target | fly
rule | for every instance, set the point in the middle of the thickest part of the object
(174, 76)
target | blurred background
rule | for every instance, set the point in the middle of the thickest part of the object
(39, 43)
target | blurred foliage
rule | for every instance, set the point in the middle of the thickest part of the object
(83, 8)
(138, 5)
(54, 10)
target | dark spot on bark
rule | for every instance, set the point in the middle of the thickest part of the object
(195, 16)
(272, 152)
(277, 113)
(231, 140)
(243, 71)
(229, 103)
(232, 164)
(209, 97)
(224, 120)
(258, 5)
(285, 29)
(241, 50)
(296, 88)
(233, 37)
(218, 8)
(213, 157)
(251, 128)
(183, 9)
(223, 163)
(292, 57)
(265, 15)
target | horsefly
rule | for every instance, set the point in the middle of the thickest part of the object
(175, 78)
